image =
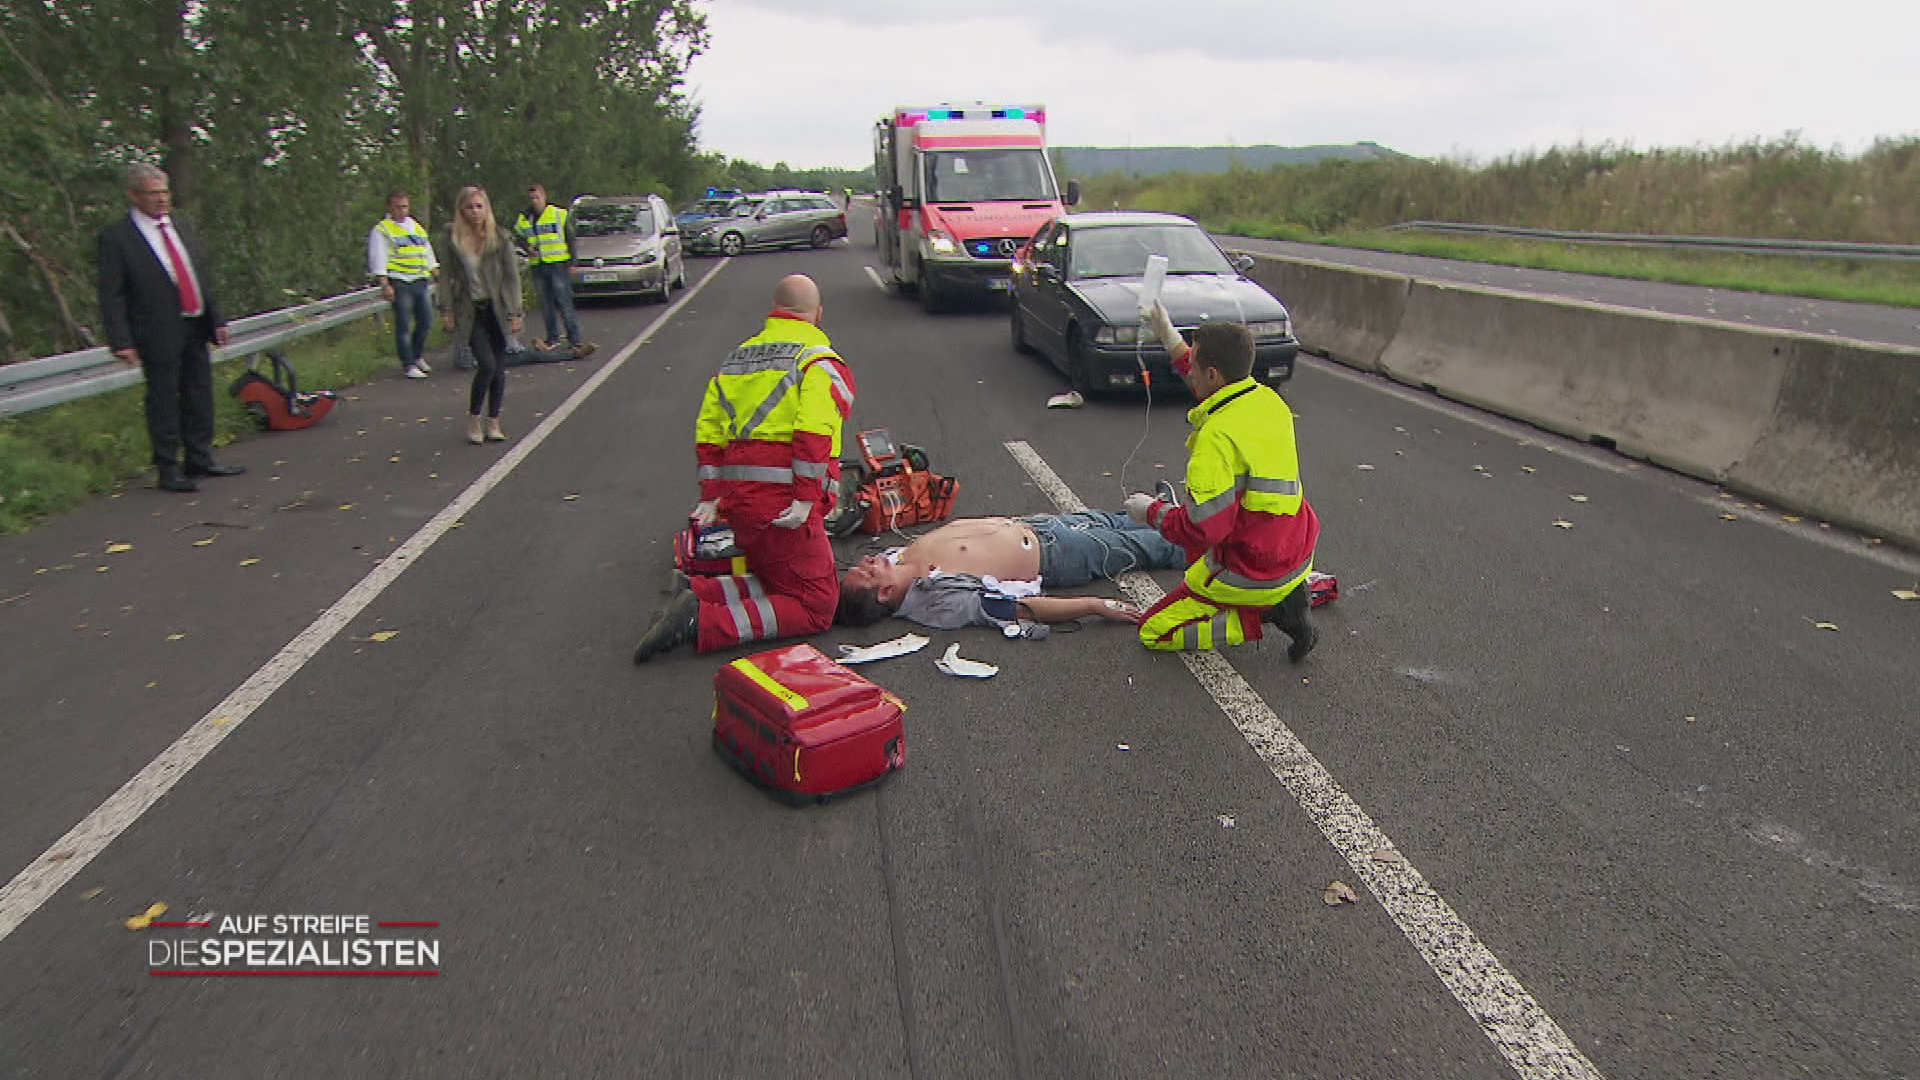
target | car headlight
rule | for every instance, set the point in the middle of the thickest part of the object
(646, 258)
(1116, 335)
(942, 243)
(1273, 328)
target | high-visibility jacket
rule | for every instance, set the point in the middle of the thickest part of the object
(769, 427)
(409, 253)
(1248, 526)
(546, 234)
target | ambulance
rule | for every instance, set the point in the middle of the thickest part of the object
(961, 187)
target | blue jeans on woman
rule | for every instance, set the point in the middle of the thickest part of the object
(412, 318)
(556, 299)
(1077, 548)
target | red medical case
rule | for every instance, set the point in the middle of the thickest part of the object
(710, 552)
(1322, 588)
(804, 727)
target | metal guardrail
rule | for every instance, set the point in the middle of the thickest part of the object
(51, 380)
(1744, 245)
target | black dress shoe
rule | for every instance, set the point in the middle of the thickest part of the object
(215, 470)
(173, 481)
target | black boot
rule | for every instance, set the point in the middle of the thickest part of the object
(1293, 616)
(172, 479)
(675, 624)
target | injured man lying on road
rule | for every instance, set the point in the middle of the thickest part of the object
(990, 572)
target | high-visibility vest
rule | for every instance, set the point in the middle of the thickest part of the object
(782, 383)
(406, 249)
(548, 235)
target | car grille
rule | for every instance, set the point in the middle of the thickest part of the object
(618, 260)
(992, 247)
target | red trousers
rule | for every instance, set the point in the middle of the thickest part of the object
(792, 591)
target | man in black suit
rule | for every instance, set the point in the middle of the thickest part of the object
(159, 313)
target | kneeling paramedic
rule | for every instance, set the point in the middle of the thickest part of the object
(1248, 529)
(768, 441)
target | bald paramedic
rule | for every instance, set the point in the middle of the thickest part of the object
(768, 444)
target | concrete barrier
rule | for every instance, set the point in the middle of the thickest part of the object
(1687, 394)
(1825, 427)
(1844, 438)
(1339, 312)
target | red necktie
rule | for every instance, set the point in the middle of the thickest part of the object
(189, 296)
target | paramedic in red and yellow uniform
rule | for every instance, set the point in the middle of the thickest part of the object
(768, 441)
(1248, 527)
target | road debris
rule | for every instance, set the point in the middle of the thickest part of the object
(953, 663)
(885, 650)
(145, 918)
(1339, 892)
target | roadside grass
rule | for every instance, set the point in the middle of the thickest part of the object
(54, 459)
(1891, 283)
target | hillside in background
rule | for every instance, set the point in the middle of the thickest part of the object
(1156, 160)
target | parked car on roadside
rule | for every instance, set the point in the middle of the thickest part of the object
(1075, 298)
(772, 220)
(626, 245)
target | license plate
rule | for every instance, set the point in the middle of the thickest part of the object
(593, 278)
(997, 284)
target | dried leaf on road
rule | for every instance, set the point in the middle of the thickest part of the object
(115, 549)
(1562, 523)
(203, 543)
(1528, 469)
(145, 918)
(1825, 626)
(1364, 468)
(346, 506)
(1789, 517)
(1578, 498)
(176, 637)
(1388, 855)
(1226, 821)
(1339, 892)
(248, 562)
(1906, 594)
(570, 496)
(381, 635)
(1729, 517)
(91, 893)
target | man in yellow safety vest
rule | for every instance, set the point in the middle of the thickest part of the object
(1249, 529)
(547, 232)
(400, 258)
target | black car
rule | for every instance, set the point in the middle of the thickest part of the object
(1076, 298)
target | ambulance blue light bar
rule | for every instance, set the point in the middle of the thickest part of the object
(910, 117)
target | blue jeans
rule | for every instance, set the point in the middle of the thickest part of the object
(412, 318)
(556, 299)
(1079, 547)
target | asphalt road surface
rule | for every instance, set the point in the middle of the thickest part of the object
(1826, 318)
(1663, 818)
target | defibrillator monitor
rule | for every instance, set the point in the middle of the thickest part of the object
(877, 445)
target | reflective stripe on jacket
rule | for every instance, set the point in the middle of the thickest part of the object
(407, 249)
(547, 234)
(1248, 526)
(769, 427)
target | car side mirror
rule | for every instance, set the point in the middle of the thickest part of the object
(1242, 261)
(1073, 193)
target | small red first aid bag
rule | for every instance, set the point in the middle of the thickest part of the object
(803, 727)
(707, 552)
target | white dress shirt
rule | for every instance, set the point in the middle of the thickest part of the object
(150, 228)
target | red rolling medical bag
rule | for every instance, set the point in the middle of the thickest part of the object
(274, 398)
(803, 727)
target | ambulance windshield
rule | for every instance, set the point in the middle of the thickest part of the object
(988, 176)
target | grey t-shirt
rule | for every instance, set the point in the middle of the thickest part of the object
(951, 601)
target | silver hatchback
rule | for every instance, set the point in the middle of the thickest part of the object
(626, 244)
(777, 219)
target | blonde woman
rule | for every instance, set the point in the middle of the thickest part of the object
(479, 285)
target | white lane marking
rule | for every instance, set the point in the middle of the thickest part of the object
(43, 877)
(1520, 1029)
(877, 282)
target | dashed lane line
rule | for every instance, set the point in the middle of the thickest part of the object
(44, 877)
(1531, 1041)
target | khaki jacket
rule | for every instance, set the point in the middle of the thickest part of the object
(499, 271)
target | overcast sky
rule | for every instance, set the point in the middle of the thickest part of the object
(802, 82)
